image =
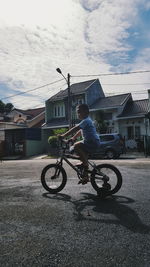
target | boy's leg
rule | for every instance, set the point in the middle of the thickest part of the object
(79, 148)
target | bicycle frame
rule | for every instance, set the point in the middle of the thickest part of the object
(92, 164)
(101, 176)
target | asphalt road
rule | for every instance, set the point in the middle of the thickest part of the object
(73, 228)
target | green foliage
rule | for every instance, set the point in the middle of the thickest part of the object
(8, 107)
(2, 107)
(53, 141)
(59, 131)
(100, 123)
(5, 107)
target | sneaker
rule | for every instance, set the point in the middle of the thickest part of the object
(85, 180)
(85, 177)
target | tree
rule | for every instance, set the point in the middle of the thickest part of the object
(100, 122)
(8, 107)
(2, 107)
(5, 108)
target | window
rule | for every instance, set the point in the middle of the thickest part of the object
(105, 138)
(78, 100)
(137, 131)
(130, 132)
(59, 110)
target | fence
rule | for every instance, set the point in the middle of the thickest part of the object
(140, 144)
(1, 149)
(147, 145)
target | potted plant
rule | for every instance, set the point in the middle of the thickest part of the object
(53, 141)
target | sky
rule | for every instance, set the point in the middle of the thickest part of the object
(85, 38)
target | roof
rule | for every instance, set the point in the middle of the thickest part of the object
(76, 88)
(39, 124)
(135, 108)
(31, 112)
(56, 124)
(110, 101)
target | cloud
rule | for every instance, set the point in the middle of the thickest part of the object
(107, 27)
(79, 36)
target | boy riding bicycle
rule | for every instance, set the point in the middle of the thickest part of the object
(90, 141)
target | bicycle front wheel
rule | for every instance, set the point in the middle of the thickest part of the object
(53, 178)
(106, 179)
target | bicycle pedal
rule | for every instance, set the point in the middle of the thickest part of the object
(105, 179)
(106, 186)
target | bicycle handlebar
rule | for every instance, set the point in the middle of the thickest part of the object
(65, 142)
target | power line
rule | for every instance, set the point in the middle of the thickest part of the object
(124, 83)
(111, 74)
(140, 93)
(133, 91)
(21, 93)
(104, 74)
(41, 98)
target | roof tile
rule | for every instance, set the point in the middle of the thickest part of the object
(111, 101)
(75, 88)
(135, 108)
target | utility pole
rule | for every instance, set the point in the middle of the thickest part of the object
(69, 96)
(69, 101)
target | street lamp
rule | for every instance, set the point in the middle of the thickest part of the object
(69, 98)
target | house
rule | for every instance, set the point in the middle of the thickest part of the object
(57, 106)
(20, 132)
(134, 124)
(121, 113)
(125, 116)
(29, 118)
(111, 106)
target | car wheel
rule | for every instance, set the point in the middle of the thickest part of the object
(110, 154)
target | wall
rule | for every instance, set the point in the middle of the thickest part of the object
(48, 111)
(2, 135)
(124, 124)
(36, 120)
(16, 116)
(10, 125)
(94, 92)
(33, 148)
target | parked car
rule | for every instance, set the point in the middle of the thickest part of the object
(112, 146)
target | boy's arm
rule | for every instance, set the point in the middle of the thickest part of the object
(71, 131)
(76, 135)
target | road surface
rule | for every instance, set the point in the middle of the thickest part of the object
(73, 228)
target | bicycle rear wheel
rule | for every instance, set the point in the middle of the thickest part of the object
(106, 179)
(53, 178)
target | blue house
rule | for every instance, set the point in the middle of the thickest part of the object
(56, 111)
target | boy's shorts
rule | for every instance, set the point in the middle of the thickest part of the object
(91, 146)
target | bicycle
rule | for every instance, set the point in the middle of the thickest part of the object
(105, 178)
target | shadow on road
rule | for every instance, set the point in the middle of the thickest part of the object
(114, 205)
